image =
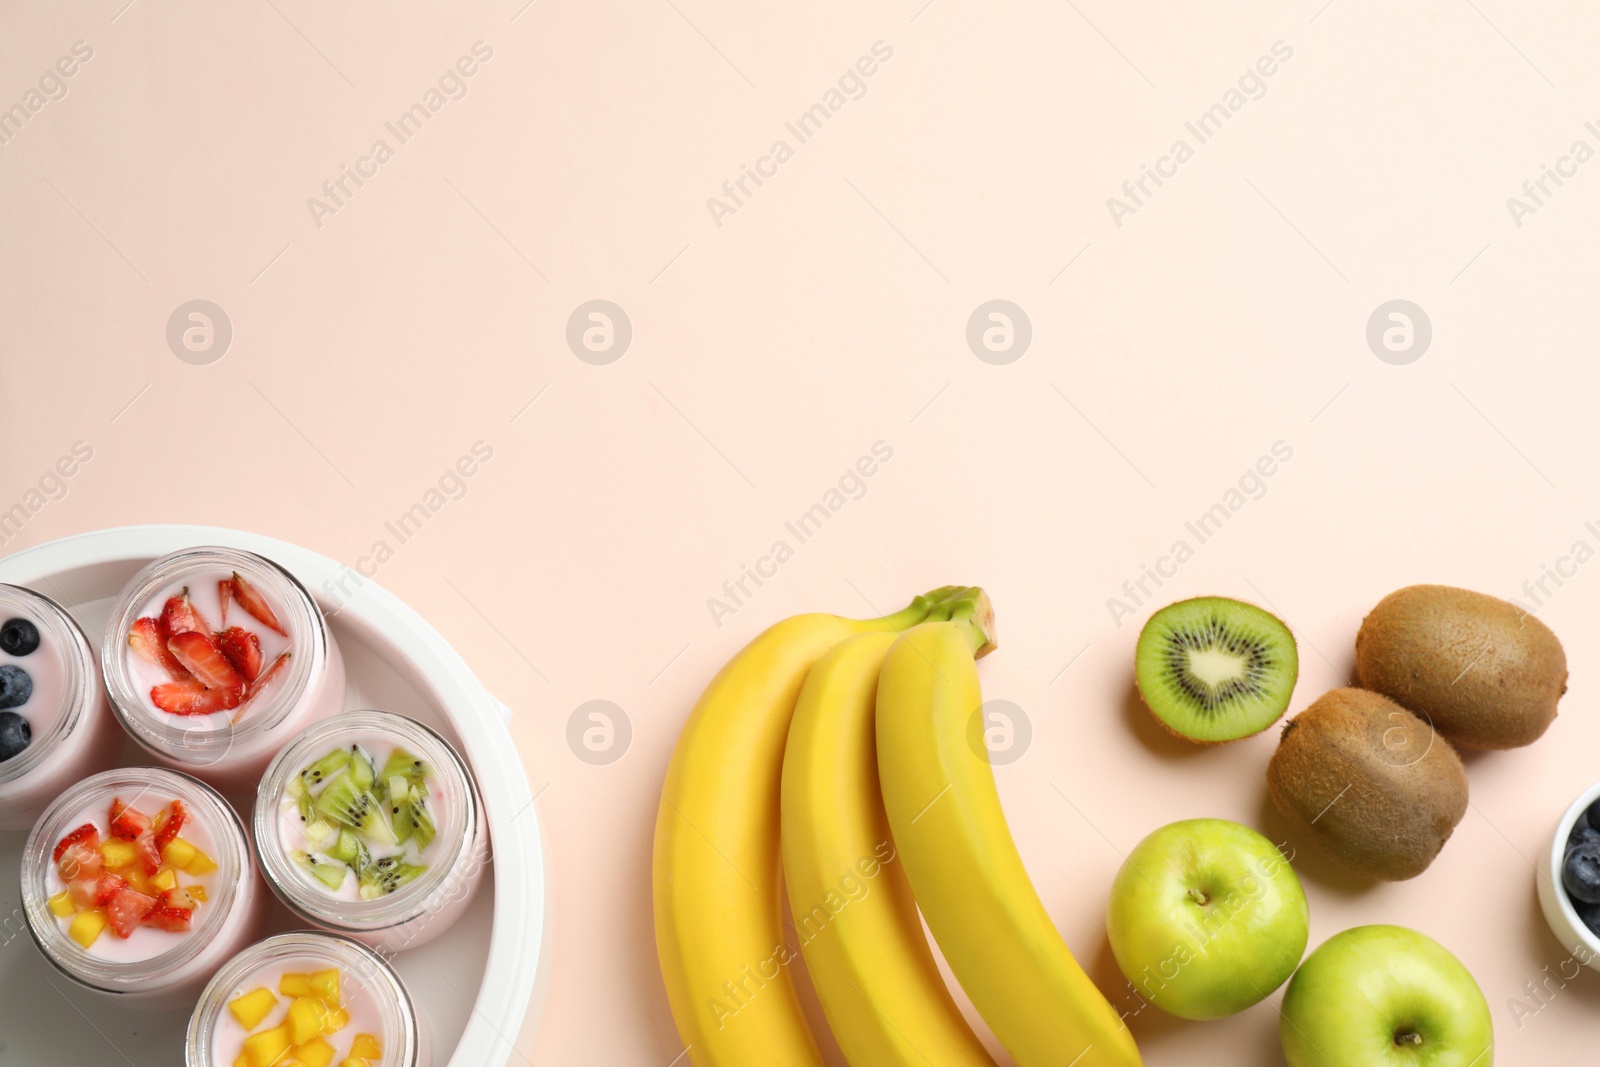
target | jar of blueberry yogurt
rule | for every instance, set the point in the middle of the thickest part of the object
(55, 721)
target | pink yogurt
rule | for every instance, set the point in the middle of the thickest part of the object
(153, 968)
(370, 991)
(68, 720)
(227, 743)
(440, 805)
(421, 909)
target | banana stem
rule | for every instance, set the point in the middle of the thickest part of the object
(919, 608)
(970, 610)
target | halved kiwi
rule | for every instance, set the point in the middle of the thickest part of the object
(1214, 669)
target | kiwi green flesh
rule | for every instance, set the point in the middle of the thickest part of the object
(1213, 669)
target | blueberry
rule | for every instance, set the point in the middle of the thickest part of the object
(1592, 815)
(15, 686)
(1590, 914)
(19, 637)
(1583, 835)
(1581, 874)
(15, 734)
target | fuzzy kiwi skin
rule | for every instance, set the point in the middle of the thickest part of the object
(1400, 789)
(1487, 674)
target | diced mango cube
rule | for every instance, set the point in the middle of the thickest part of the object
(252, 1008)
(325, 984)
(241, 1061)
(315, 1053)
(366, 1046)
(166, 878)
(268, 1047)
(118, 853)
(88, 927)
(201, 864)
(61, 905)
(295, 985)
(355, 1061)
(197, 892)
(179, 852)
(335, 1020)
(305, 1019)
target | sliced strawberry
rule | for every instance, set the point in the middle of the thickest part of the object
(85, 834)
(251, 600)
(203, 659)
(83, 892)
(149, 852)
(172, 920)
(242, 650)
(177, 815)
(108, 886)
(262, 681)
(128, 823)
(144, 637)
(81, 860)
(190, 697)
(224, 596)
(178, 616)
(126, 910)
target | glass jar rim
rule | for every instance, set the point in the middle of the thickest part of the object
(409, 903)
(231, 847)
(78, 667)
(197, 744)
(402, 1036)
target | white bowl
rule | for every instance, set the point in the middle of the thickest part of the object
(478, 985)
(1564, 922)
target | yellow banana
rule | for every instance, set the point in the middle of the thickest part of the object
(963, 865)
(853, 911)
(718, 896)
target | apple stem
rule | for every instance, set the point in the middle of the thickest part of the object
(1199, 897)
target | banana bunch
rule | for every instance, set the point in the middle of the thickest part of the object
(830, 758)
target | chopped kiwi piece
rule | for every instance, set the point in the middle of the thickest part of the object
(307, 804)
(361, 769)
(326, 768)
(1213, 669)
(411, 819)
(320, 833)
(329, 874)
(350, 850)
(386, 876)
(402, 764)
(356, 808)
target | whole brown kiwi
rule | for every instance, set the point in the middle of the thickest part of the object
(1368, 782)
(1484, 672)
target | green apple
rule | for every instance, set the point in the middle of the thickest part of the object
(1207, 918)
(1381, 995)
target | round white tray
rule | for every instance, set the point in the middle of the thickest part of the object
(475, 985)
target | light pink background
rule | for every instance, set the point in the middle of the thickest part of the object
(828, 313)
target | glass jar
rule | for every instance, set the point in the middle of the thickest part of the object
(371, 825)
(371, 997)
(157, 966)
(55, 722)
(219, 709)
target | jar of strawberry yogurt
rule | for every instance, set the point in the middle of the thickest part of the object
(370, 825)
(214, 658)
(140, 883)
(55, 723)
(307, 998)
